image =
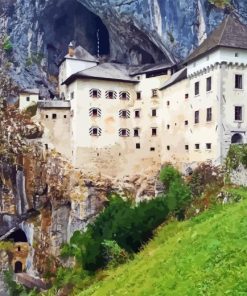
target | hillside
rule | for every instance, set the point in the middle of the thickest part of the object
(203, 256)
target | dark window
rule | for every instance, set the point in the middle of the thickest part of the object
(197, 146)
(54, 116)
(236, 54)
(152, 149)
(168, 126)
(94, 131)
(186, 122)
(95, 93)
(124, 114)
(186, 96)
(110, 94)
(95, 112)
(154, 112)
(19, 249)
(154, 92)
(124, 95)
(28, 99)
(196, 116)
(208, 146)
(46, 146)
(123, 132)
(238, 113)
(209, 83)
(72, 95)
(65, 116)
(168, 148)
(138, 146)
(136, 132)
(209, 114)
(197, 88)
(186, 147)
(137, 113)
(47, 116)
(239, 81)
(138, 95)
(168, 103)
(154, 131)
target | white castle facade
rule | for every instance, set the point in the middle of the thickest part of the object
(118, 120)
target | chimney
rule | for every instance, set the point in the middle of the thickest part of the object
(71, 49)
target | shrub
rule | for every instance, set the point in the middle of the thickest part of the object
(7, 45)
(169, 174)
(128, 225)
(203, 176)
(178, 196)
(113, 254)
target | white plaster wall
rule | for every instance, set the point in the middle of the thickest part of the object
(57, 132)
(23, 103)
(219, 55)
(111, 154)
(70, 67)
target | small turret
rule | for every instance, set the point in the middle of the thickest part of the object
(71, 49)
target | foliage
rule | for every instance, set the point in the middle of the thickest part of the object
(7, 45)
(220, 3)
(15, 289)
(35, 58)
(31, 110)
(113, 254)
(178, 196)
(204, 176)
(128, 225)
(6, 246)
(237, 155)
(202, 256)
(69, 277)
(168, 175)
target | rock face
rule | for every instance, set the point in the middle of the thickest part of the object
(132, 31)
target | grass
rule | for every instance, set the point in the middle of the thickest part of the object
(206, 255)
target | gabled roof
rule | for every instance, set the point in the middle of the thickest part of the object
(105, 71)
(32, 91)
(230, 33)
(145, 69)
(176, 77)
(81, 54)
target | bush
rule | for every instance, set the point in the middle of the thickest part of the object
(168, 175)
(203, 176)
(7, 45)
(178, 196)
(128, 225)
(113, 254)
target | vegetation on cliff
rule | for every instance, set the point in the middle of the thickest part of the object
(202, 256)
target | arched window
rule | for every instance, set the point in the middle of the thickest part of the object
(18, 267)
(237, 139)
(95, 93)
(124, 113)
(110, 94)
(95, 131)
(124, 132)
(94, 112)
(124, 95)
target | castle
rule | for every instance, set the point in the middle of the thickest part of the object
(119, 120)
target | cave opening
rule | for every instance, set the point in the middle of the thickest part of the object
(18, 236)
(72, 22)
